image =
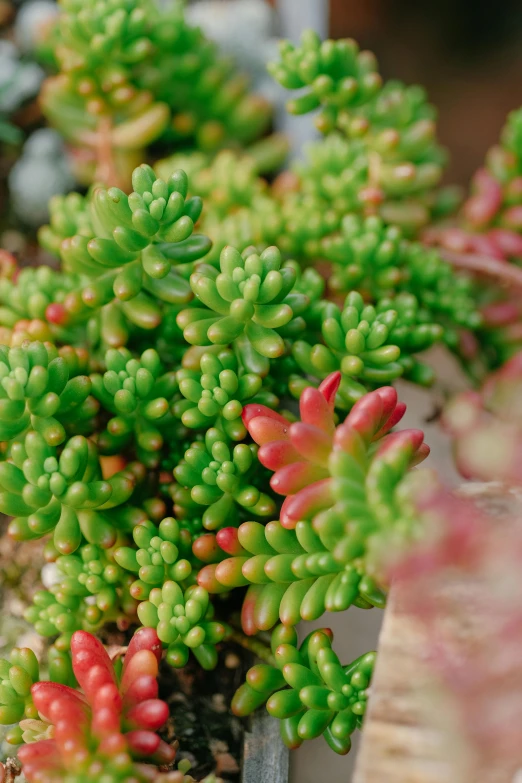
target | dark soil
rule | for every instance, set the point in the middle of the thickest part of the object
(209, 736)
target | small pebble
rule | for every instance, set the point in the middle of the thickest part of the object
(232, 661)
(219, 703)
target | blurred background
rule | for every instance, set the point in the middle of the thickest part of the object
(466, 53)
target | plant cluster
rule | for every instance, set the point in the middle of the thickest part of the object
(485, 239)
(102, 725)
(148, 385)
(131, 72)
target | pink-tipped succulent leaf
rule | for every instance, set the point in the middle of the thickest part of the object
(112, 717)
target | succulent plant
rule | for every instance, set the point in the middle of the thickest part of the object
(340, 486)
(148, 422)
(215, 394)
(99, 731)
(57, 615)
(361, 341)
(35, 294)
(139, 240)
(90, 589)
(220, 480)
(387, 158)
(69, 216)
(249, 302)
(17, 678)
(184, 622)
(139, 393)
(308, 689)
(163, 553)
(45, 491)
(112, 111)
(38, 390)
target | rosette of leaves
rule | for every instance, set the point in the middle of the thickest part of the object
(160, 554)
(99, 731)
(95, 100)
(69, 216)
(309, 690)
(339, 486)
(361, 341)
(371, 256)
(61, 492)
(184, 622)
(42, 390)
(238, 209)
(57, 614)
(93, 571)
(333, 74)
(249, 302)
(140, 256)
(215, 395)
(31, 296)
(139, 393)
(220, 480)
(394, 159)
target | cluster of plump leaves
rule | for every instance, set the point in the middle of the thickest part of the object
(96, 732)
(383, 152)
(341, 487)
(91, 589)
(184, 622)
(367, 343)
(194, 346)
(135, 72)
(140, 394)
(308, 690)
(135, 263)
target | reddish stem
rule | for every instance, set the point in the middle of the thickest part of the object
(106, 169)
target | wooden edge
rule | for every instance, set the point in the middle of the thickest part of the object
(404, 738)
(265, 757)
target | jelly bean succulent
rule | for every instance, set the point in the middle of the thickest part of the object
(71, 734)
(164, 553)
(215, 393)
(195, 405)
(132, 72)
(308, 690)
(64, 494)
(341, 488)
(183, 622)
(140, 394)
(90, 590)
(41, 390)
(383, 154)
(249, 302)
(220, 477)
(361, 341)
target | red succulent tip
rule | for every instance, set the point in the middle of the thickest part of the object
(56, 313)
(109, 718)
